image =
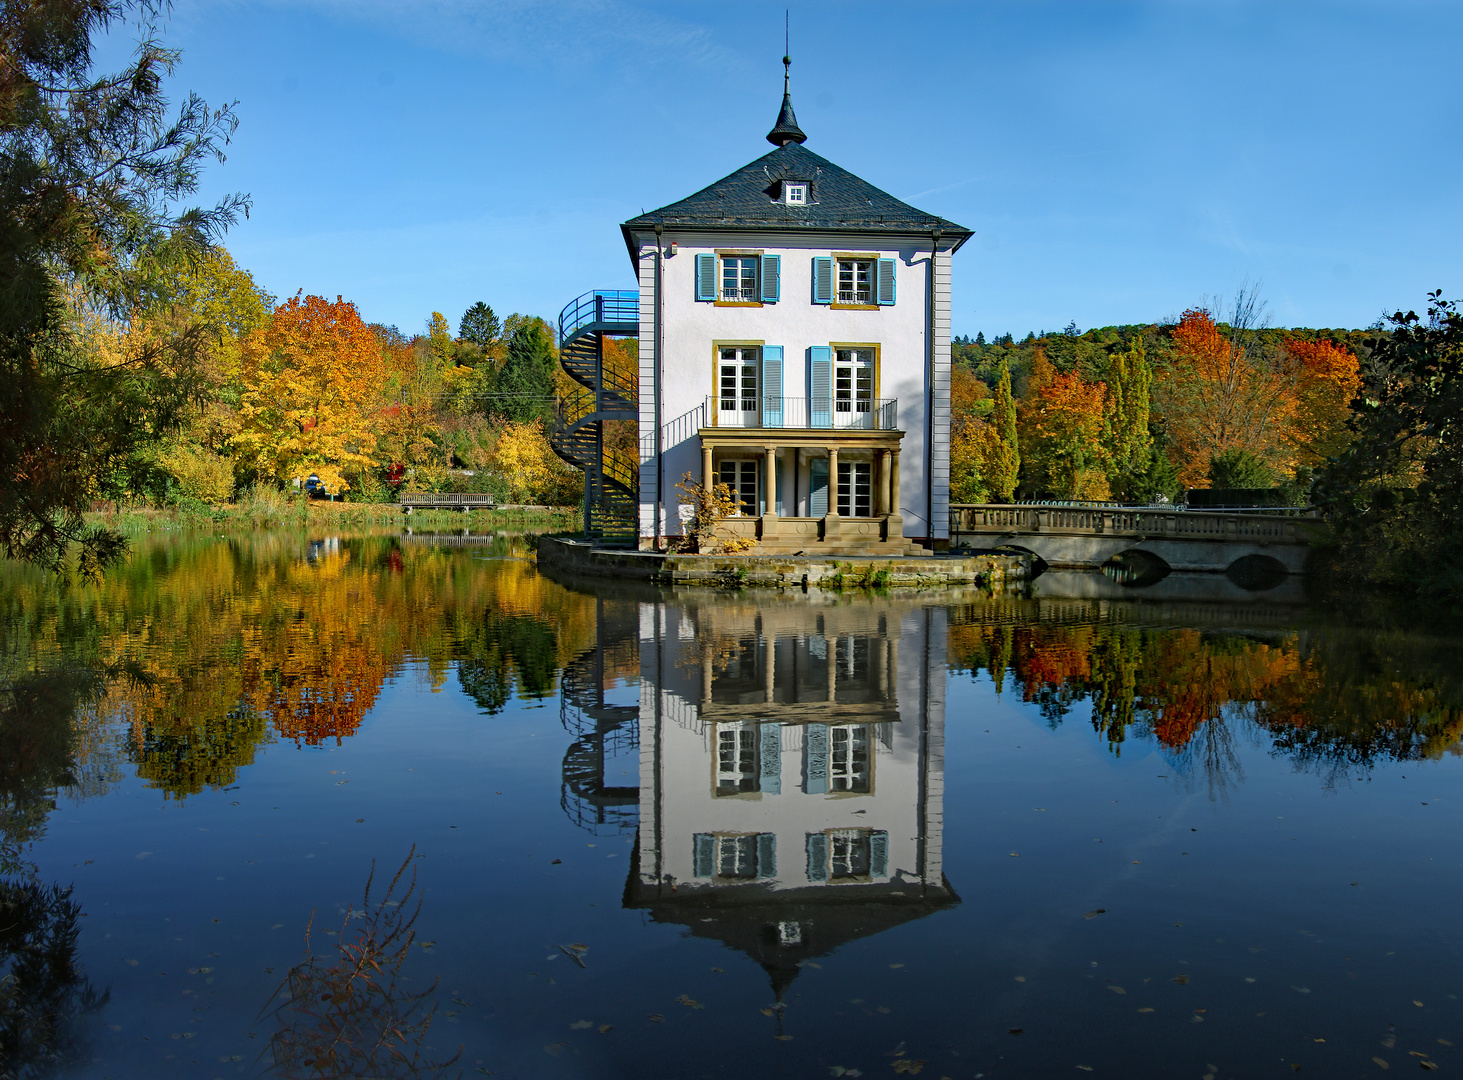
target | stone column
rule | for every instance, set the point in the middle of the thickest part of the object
(894, 486)
(830, 523)
(708, 478)
(769, 653)
(769, 493)
(881, 496)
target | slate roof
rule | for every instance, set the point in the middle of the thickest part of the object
(840, 202)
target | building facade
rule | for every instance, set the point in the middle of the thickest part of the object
(794, 344)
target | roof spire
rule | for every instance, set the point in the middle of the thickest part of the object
(786, 130)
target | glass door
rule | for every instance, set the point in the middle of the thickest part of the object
(736, 384)
(855, 489)
(741, 477)
(853, 388)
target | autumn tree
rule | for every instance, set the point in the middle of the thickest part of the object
(1060, 430)
(1223, 393)
(999, 452)
(1326, 378)
(92, 181)
(312, 384)
(969, 398)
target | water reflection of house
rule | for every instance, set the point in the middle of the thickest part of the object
(791, 773)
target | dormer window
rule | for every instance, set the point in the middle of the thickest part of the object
(795, 193)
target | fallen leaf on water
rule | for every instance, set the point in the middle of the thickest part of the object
(882, 1008)
(1248, 979)
(783, 1038)
(1181, 979)
(1014, 855)
(1020, 978)
(812, 964)
(1418, 1004)
(656, 1018)
(555, 1049)
(1117, 989)
(1381, 1063)
(896, 965)
(908, 1066)
(1094, 913)
(719, 971)
(132, 962)
(1417, 1053)
(1301, 989)
(605, 1027)
(1428, 1065)
(556, 862)
(1445, 1042)
(766, 1012)
(1146, 1009)
(581, 1025)
(689, 1002)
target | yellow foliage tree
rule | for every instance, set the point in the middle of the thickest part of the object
(312, 379)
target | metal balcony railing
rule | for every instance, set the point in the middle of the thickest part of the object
(857, 414)
(619, 307)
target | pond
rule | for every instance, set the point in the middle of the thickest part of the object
(688, 833)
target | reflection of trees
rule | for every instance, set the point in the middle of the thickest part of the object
(234, 643)
(42, 989)
(1331, 700)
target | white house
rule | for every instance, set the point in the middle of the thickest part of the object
(794, 332)
(791, 773)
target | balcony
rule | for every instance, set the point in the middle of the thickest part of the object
(803, 414)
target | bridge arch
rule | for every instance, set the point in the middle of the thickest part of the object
(1257, 572)
(1136, 568)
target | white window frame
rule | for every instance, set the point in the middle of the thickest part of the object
(738, 769)
(853, 385)
(741, 849)
(845, 846)
(795, 194)
(845, 770)
(745, 270)
(746, 484)
(738, 385)
(861, 278)
(856, 493)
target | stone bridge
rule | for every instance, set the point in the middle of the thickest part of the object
(1186, 540)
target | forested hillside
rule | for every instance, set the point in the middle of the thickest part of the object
(1135, 412)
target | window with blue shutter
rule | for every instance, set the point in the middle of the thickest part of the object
(822, 279)
(705, 277)
(766, 855)
(878, 854)
(820, 386)
(817, 856)
(772, 386)
(771, 755)
(705, 854)
(815, 759)
(771, 278)
(818, 487)
(884, 293)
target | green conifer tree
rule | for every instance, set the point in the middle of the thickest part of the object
(1000, 452)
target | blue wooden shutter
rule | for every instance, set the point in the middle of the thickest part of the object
(705, 860)
(878, 854)
(771, 753)
(822, 279)
(820, 386)
(817, 856)
(818, 487)
(885, 291)
(815, 759)
(766, 855)
(771, 278)
(772, 386)
(705, 277)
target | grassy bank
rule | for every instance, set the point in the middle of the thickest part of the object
(279, 512)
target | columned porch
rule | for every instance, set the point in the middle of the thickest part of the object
(818, 491)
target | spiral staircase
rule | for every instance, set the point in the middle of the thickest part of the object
(601, 730)
(611, 483)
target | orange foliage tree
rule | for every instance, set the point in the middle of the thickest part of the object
(1221, 396)
(1061, 427)
(312, 378)
(1327, 377)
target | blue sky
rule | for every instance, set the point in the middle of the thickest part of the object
(1118, 162)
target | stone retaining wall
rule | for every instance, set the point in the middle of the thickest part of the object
(770, 571)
